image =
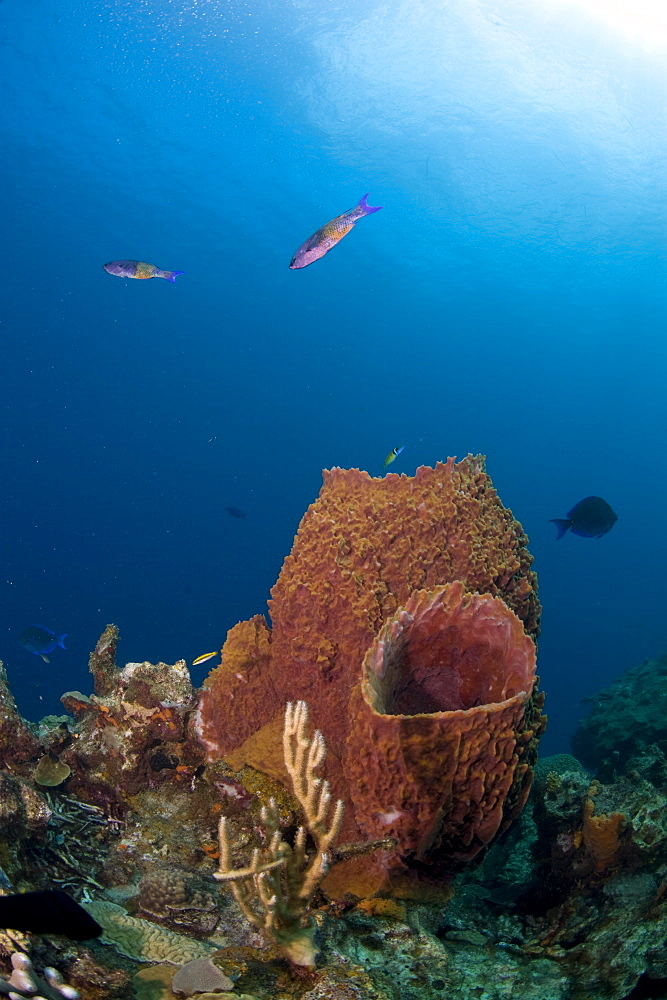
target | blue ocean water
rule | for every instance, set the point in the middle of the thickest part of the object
(509, 299)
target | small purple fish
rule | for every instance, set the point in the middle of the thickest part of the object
(328, 236)
(139, 269)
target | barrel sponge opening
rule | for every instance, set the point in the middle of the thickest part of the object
(448, 650)
(440, 726)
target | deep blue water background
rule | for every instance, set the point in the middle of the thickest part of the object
(509, 299)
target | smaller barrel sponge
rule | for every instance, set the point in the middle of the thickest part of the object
(441, 722)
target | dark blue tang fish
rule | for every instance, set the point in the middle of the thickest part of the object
(41, 641)
(592, 517)
(49, 911)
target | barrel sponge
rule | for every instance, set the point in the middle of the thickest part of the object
(360, 551)
(235, 701)
(439, 724)
(366, 544)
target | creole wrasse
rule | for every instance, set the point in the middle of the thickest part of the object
(328, 236)
(139, 269)
(393, 454)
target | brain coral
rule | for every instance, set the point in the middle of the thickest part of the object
(361, 549)
(142, 940)
(439, 723)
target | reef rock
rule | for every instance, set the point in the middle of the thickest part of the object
(626, 719)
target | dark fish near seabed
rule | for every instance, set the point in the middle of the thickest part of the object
(41, 641)
(332, 233)
(592, 517)
(49, 911)
(139, 269)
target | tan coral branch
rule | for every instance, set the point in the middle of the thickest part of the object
(274, 891)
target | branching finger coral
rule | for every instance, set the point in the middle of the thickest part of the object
(25, 982)
(274, 891)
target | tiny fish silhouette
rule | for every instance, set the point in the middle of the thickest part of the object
(49, 911)
(139, 269)
(592, 517)
(328, 236)
(41, 641)
(235, 512)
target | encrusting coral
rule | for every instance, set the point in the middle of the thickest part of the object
(200, 976)
(17, 741)
(602, 835)
(361, 551)
(275, 890)
(51, 771)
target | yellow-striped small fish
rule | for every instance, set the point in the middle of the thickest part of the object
(393, 454)
(204, 657)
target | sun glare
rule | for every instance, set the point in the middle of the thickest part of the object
(643, 21)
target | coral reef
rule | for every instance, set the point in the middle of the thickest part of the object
(550, 891)
(570, 903)
(17, 741)
(627, 718)
(133, 735)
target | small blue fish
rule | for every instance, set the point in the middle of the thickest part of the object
(41, 641)
(393, 455)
